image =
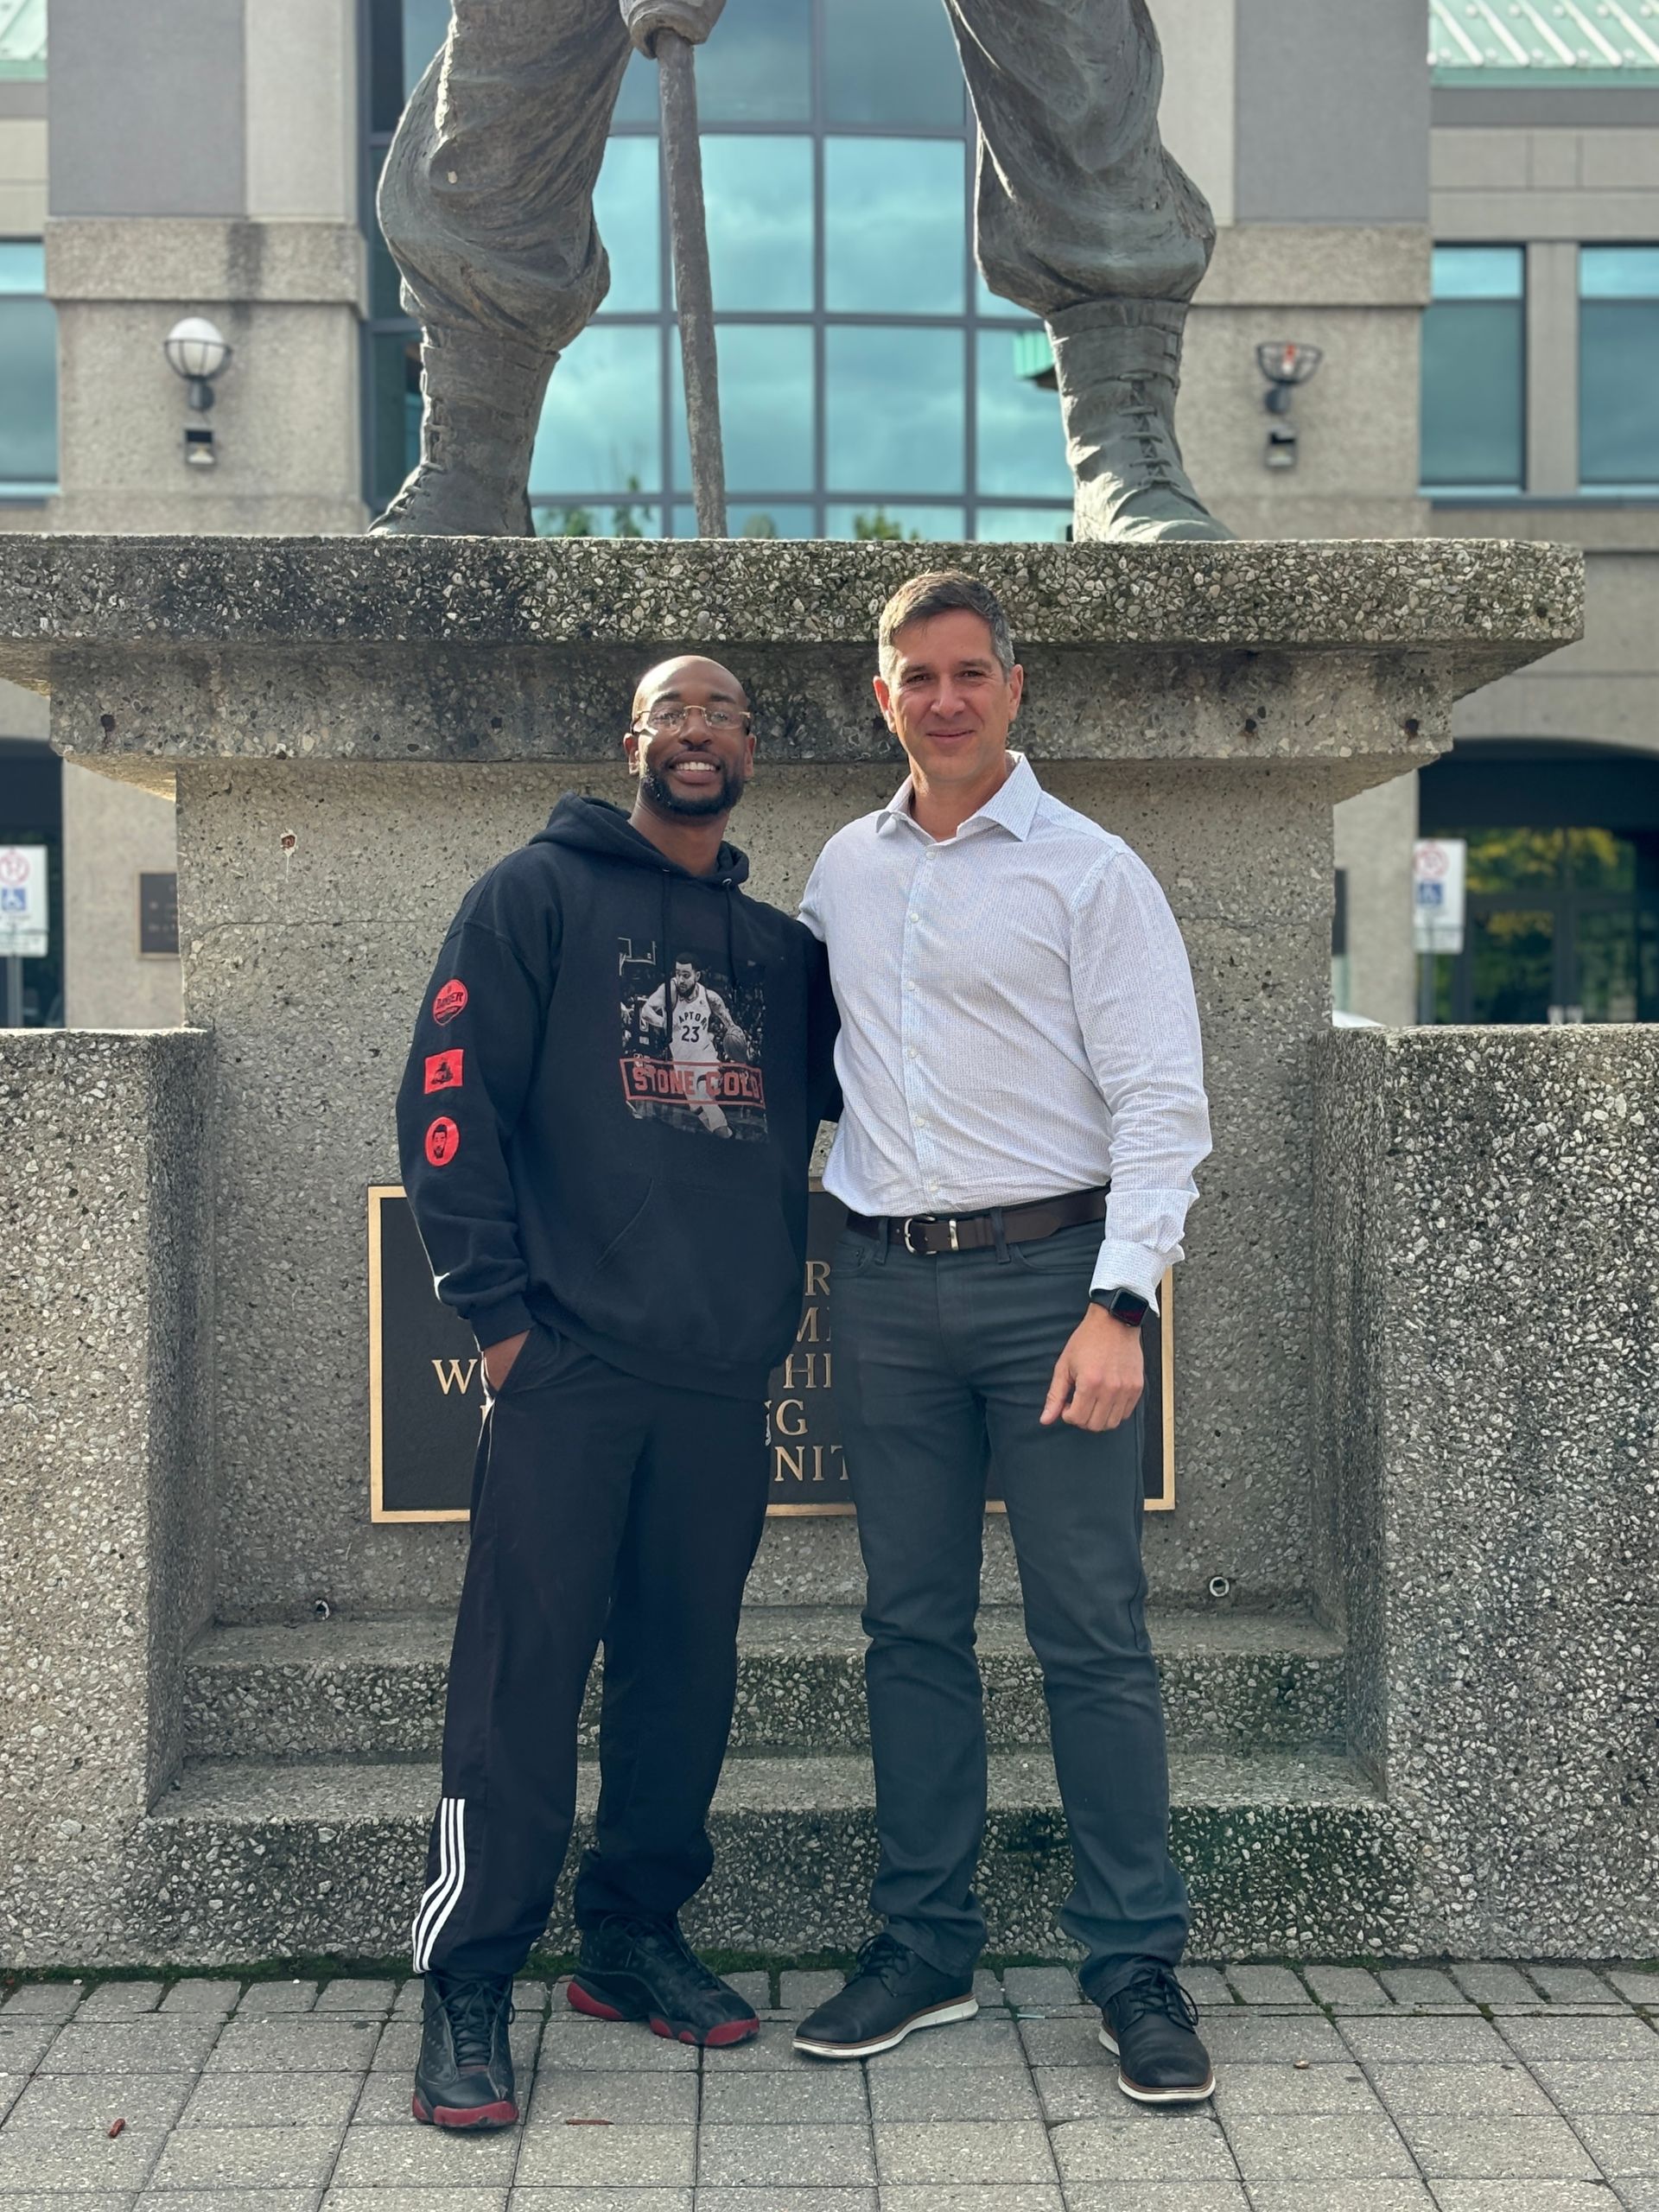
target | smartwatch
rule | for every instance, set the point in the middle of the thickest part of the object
(1125, 1305)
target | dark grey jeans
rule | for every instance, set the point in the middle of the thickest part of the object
(939, 1363)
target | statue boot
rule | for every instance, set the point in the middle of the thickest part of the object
(1119, 363)
(482, 403)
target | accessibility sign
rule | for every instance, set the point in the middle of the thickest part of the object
(24, 902)
(1439, 867)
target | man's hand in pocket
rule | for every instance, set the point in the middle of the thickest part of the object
(498, 1360)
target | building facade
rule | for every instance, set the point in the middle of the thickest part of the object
(1465, 227)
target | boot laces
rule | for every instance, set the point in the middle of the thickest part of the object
(472, 2008)
(884, 1957)
(1155, 1989)
(664, 1939)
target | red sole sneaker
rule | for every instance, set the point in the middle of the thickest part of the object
(720, 2038)
(469, 2118)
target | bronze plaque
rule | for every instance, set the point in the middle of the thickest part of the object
(426, 1390)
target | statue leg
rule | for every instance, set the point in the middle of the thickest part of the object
(487, 203)
(1084, 220)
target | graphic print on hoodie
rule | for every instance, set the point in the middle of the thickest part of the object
(548, 1191)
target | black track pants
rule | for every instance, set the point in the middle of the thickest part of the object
(602, 1506)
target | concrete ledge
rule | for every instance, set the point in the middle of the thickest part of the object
(206, 260)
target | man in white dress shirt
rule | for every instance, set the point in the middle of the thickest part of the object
(1025, 1108)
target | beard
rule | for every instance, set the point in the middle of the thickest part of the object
(664, 797)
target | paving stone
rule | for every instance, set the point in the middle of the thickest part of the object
(1528, 2196)
(613, 2046)
(1476, 2092)
(1091, 2092)
(384, 2098)
(1348, 1988)
(212, 2200)
(1156, 2196)
(1318, 2146)
(411, 2157)
(829, 2095)
(265, 2000)
(1423, 1986)
(1244, 2039)
(1622, 2144)
(801, 1993)
(350, 1995)
(1619, 2085)
(753, 1988)
(11, 2087)
(1572, 1984)
(1640, 1986)
(993, 2041)
(275, 2100)
(1636, 2196)
(796, 2158)
(215, 1999)
(1094, 2150)
(561, 2094)
(1268, 1985)
(1517, 2148)
(1065, 2043)
(980, 2151)
(120, 2000)
(1394, 2196)
(247, 2158)
(77, 2161)
(336, 2045)
(1424, 2042)
(1205, 1984)
(1324, 2087)
(1487, 1984)
(411, 1994)
(530, 1996)
(966, 2197)
(150, 2046)
(731, 2199)
(953, 2093)
(43, 2001)
(771, 2050)
(1583, 2036)
(426, 2200)
(1041, 1986)
(84, 2200)
(988, 1988)
(626, 2155)
(84, 2100)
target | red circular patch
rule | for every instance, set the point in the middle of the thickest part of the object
(442, 1142)
(449, 1002)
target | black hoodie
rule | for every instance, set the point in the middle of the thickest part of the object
(608, 1113)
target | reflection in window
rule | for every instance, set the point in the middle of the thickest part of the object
(759, 196)
(1619, 366)
(766, 408)
(1023, 526)
(625, 517)
(600, 429)
(895, 410)
(29, 372)
(394, 410)
(758, 66)
(894, 227)
(877, 520)
(770, 519)
(639, 100)
(1473, 370)
(1022, 442)
(627, 206)
(891, 61)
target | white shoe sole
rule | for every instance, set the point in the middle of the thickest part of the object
(935, 2016)
(1184, 2095)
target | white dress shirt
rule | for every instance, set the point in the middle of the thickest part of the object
(1017, 1020)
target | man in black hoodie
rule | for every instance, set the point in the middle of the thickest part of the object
(605, 1126)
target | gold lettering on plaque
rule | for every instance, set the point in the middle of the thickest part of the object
(455, 1375)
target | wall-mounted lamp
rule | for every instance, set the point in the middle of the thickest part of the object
(196, 351)
(1285, 365)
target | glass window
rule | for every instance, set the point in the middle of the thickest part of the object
(1023, 526)
(773, 518)
(758, 66)
(394, 412)
(876, 520)
(1619, 366)
(1473, 424)
(1021, 441)
(627, 206)
(894, 227)
(639, 100)
(758, 191)
(29, 371)
(597, 518)
(895, 410)
(891, 61)
(426, 26)
(766, 408)
(602, 426)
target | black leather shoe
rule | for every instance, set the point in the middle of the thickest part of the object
(463, 2078)
(1151, 2027)
(644, 1970)
(891, 1993)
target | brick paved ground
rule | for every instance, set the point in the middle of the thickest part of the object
(1472, 2088)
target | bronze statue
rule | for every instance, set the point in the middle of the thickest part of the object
(486, 204)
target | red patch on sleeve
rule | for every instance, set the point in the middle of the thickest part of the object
(443, 1072)
(449, 1002)
(442, 1141)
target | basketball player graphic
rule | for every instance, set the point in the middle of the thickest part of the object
(700, 1033)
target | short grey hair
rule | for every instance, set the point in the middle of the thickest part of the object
(944, 591)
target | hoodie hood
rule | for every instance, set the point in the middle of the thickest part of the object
(594, 825)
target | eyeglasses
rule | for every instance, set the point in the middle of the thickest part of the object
(668, 720)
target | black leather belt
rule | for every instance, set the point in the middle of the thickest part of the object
(926, 1233)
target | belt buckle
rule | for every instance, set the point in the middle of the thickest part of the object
(915, 1221)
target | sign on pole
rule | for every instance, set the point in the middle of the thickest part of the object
(24, 903)
(1438, 869)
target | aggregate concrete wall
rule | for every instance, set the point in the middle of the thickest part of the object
(105, 1477)
(1486, 1206)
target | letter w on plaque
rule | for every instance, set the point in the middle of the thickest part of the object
(426, 1388)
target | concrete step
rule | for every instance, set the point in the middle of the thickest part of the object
(374, 1690)
(248, 1859)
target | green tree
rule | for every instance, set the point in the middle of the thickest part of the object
(879, 526)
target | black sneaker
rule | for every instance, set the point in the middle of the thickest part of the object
(463, 2078)
(1150, 2026)
(644, 1970)
(891, 1992)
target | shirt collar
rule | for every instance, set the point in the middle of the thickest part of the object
(1013, 806)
